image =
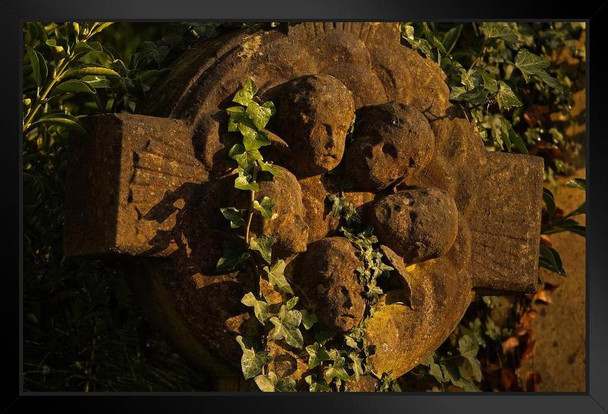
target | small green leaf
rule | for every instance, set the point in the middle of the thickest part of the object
(76, 86)
(269, 167)
(252, 139)
(530, 64)
(506, 98)
(550, 259)
(231, 259)
(533, 65)
(234, 216)
(244, 160)
(260, 307)
(266, 383)
(549, 202)
(276, 276)
(316, 355)
(260, 114)
(89, 70)
(503, 31)
(291, 303)
(308, 319)
(237, 115)
(286, 327)
(336, 372)
(242, 182)
(468, 348)
(251, 361)
(579, 183)
(264, 207)
(518, 141)
(97, 82)
(63, 120)
(451, 37)
(84, 47)
(357, 364)
(39, 66)
(489, 83)
(244, 95)
(316, 386)
(263, 245)
(286, 385)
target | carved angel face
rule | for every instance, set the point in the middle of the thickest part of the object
(391, 141)
(314, 116)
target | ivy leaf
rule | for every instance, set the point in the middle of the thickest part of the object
(324, 335)
(489, 83)
(276, 276)
(316, 386)
(530, 64)
(263, 245)
(505, 97)
(478, 95)
(286, 385)
(237, 114)
(351, 342)
(237, 152)
(308, 319)
(244, 95)
(265, 207)
(451, 37)
(242, 182)
(286, 327)
(231, 259)
(435, 369)
(469, 348)
(357, 364)
(251, 361)
(417, 43)
(252, 139)
(316, 355)
(291, 303)
(266, 383)
(260, 114)
(533, 65)
(234, 216)
(269, 167)
(503, 31)
(333, 372)
(336, 204)
(260, 307)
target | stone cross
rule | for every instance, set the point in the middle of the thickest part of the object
(150, 186)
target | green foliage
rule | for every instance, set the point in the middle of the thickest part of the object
(493, 68)
(552, 224)
(276, 276)
(83, 330)
(252, 361)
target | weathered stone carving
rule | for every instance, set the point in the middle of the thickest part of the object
(150, 186)
(391, 141)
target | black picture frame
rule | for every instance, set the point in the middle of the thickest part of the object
(14, 12)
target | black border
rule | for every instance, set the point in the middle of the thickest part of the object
(14, 12)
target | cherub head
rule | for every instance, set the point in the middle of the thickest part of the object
(314, 115)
